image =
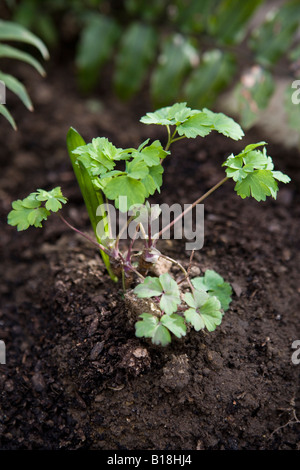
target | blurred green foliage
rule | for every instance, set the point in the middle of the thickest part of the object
(186, 50)
(13, 32)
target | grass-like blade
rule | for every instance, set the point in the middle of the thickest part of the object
(18, 88)
(8, 116)
(14, 53)
(91, 197)
(10, 31)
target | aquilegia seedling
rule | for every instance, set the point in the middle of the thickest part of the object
(128, 177)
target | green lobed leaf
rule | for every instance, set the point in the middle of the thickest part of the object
(169, 115)
(197, 125)
(36, 216)
(137, 169)
(259, 184)
(196, 299)
(164, 287)
(150, 287)
(252, 170)
(205, 310)
(150, 327)
(161, 336)
(192, 316)
(171, 296)
(174, 323)
(225, 125)
(153, 181)
(26, 212)
(278, 175)
(123, 185)
(98, 156)
(215, 285)
(238, 167)
(152, 154)
(29, 211)
(141, 177)
(54, 198)
(211, 313)
(147, 326)
(192, 122)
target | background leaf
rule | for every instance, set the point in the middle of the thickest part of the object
(18, 88)
(8, 116)
(137, 52)
(97, 40)
(216, 70)
(230, 19)
(14, 53)
(175, 60)
(10, 31)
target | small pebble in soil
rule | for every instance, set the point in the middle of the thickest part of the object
(135, 359)
(176, 373)
(38, 382)
(96, 351)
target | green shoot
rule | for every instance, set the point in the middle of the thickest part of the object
(92, 198)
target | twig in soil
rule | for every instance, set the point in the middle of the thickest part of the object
(190, 262)
(293, 421)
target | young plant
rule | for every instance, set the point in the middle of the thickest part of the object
(128, 177)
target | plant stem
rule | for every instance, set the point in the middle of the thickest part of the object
(190, 262)
(98, 245)
(123, 280)
(169, 138)
(149, 233)
(198, 201)
(186, 274)
(128, 257)
(178, 138)
(122, 230)
(108, 219)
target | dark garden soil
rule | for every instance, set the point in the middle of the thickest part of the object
(76, 376)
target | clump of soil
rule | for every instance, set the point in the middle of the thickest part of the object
(76, 376)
